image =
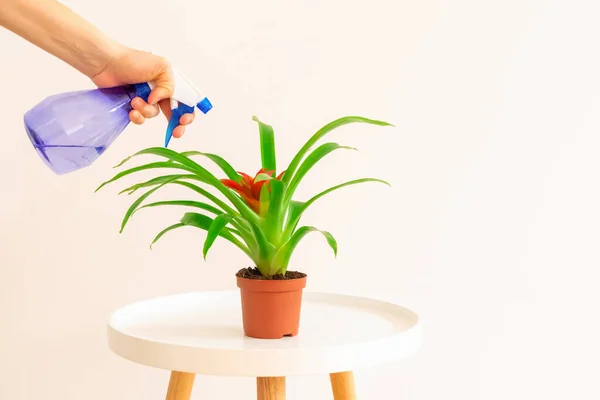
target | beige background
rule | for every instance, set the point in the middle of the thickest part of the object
(490, 231)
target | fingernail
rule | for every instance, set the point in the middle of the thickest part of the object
(136, 101)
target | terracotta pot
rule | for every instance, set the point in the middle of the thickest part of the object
(271, 308)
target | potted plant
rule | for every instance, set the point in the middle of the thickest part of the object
(257, 214)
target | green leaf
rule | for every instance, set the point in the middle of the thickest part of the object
(204, 175)
(203, 222)
(274, 218)
(239, 222)
(139, 201)
(190, 223)
(206, 194)
(319, 134)
(282, 257)
(215, 230)
(220, 161)
(247, 233)
(266, 250)
(163, 152)
(222, 206)
(262, 177)
(267, 145)
(297, 208)
(184, 203)
(198, 220)
(178, 181)
(264, 200)
(310, 161)
(170, 155)
(156, 181)
(167, 229)
(160, 164)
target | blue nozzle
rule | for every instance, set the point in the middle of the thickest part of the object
(204, 105)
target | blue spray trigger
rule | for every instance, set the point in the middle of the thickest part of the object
(176, 115)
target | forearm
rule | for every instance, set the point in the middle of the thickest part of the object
(56, 29)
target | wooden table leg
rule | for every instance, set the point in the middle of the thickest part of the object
(270, 388)
(342, 384)
(180, 386)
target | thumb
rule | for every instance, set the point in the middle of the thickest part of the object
(164, 83)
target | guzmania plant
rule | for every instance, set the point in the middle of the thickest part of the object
(258, 214)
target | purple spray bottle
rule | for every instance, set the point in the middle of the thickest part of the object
(71, 130)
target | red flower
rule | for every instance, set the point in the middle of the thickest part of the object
(249, 189)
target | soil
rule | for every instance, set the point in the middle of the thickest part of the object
(254, 273)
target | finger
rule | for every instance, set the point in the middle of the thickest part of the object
(136, 117)
(165, 107)
(164, 83)
(144, 108)
(187, 119)
(158, 94)
(178, 131)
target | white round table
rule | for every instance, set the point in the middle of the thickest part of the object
(201, 333)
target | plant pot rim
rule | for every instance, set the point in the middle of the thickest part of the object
(271, 285)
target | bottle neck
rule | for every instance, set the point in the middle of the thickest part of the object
(141, 90)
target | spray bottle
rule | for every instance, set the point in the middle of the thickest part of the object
(71, 130)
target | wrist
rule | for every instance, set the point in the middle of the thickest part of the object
(98, 54)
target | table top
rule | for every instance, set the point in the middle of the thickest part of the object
(202, 333)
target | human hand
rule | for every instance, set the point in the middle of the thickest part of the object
(130, 66)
